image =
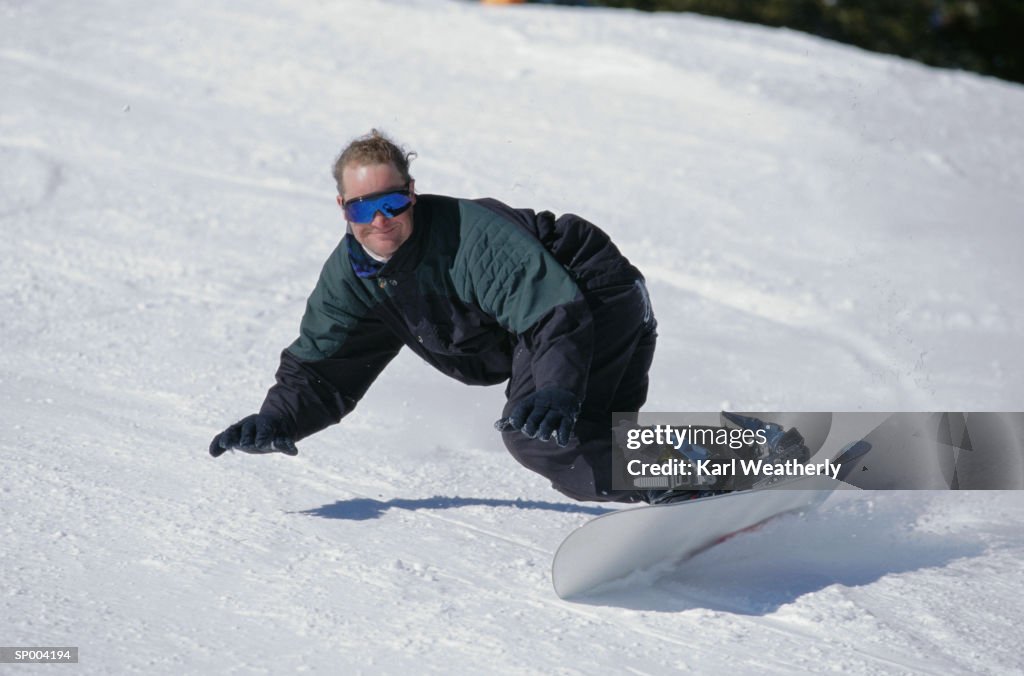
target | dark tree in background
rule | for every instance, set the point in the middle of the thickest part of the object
(985, 36)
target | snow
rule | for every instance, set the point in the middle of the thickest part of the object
(823, 229)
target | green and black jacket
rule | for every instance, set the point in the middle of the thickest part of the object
(476, 284)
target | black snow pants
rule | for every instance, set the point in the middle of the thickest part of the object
(624, 339)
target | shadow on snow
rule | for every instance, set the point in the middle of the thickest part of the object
(363, 509)
(752, 574)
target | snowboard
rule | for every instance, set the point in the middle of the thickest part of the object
(634, 539)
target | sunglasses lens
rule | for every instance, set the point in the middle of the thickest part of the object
(359, 212)
(392, 204)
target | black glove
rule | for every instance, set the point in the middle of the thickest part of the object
(551, 410)
(257, 433)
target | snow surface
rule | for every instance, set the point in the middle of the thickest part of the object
(823, 229)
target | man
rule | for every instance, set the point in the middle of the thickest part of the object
(483, 292)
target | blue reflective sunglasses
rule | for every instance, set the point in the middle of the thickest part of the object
(391, 203)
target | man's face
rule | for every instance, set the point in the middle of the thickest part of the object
(382, 235)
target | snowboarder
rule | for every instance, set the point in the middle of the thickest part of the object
(486, 294)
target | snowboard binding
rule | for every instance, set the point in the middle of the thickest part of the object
(780, 445)
(673, 495)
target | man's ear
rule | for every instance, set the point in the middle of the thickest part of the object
(341, 203)
(412, 191)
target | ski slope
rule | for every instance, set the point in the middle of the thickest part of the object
(822, 229)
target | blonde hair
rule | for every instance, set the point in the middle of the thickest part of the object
(373, 148)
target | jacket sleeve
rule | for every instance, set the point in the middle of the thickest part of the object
(516, 280)
(561, 344)
(341, 350)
